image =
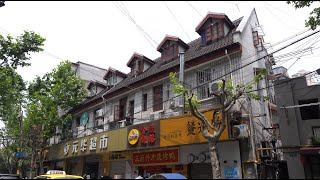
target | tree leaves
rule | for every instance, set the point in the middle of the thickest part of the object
(16, 52)
(314, 18)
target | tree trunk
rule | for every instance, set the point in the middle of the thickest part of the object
(216, 171)
(41, 162)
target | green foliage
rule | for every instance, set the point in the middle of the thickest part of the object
(60, 89)
(314, 18)
(180, 89)
(15, 52)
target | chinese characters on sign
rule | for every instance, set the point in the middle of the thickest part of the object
(148, 135)
(93, 143)
(75, 147)
(83, 145)
(103, 142)
(66, 149)
(154, 157)
(193, 129)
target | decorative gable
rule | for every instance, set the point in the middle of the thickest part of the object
(139, 63)
(95, 87)
(114, 76)
(213, 27)
(170, 47)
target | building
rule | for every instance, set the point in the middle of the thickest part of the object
(299, 116)
(141, 117)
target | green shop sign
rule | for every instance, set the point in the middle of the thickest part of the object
(84, 119)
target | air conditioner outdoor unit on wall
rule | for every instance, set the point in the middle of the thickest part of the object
(240, 131)
(99, 113)
(214, 87)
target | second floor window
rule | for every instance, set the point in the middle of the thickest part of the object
(203, 78)
(131, 108)
(157, 98)
(145, 102)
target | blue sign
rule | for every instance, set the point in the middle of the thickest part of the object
(231, 173)
(20, 154)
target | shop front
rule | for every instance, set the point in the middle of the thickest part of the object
(185, 132)
(89, 155)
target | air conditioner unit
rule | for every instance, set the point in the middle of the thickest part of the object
(121, 124)
(99, 113)
(240, 131)
(98, 122)
(214, 87)
(174, 103)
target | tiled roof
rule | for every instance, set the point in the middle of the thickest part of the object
(195, 50)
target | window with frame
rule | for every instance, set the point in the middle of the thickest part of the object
(114, 78)
(255, 38)
(93, 90)
(212, 33)
(131, 108)
(309, 112)
(157, 98)
(203, 78)
(144, 102)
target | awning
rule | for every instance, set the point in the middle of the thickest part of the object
(310, 151)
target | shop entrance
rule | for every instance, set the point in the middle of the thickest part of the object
(92, 170)
(199, 171)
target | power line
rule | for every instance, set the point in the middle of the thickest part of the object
(194, 9)
(176, 19)
(302, 105)
(126, 13)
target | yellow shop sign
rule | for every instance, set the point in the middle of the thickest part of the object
(133, 136)
(185, 130)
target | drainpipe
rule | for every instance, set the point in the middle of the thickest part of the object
(181, 77)
(226, 52)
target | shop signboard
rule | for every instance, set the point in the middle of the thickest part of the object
(156, 157)
(185, 130)
(231, 173)
(114, 140)
(144, 135)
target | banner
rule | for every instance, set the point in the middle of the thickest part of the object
(156, 157)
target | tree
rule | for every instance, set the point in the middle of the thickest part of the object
(314, 18)
(58, 90)
(15, 52)
(227, 97)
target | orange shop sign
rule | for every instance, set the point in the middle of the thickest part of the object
(185, 130)
(156, 157)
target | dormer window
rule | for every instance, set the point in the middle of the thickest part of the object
(93, 90)
(112, 80)
(170, 47)
(138, 64)
(213, 27)
(114, 76)
(212, 33)
(169, 53)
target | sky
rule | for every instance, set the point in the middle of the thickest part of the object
(99, 32)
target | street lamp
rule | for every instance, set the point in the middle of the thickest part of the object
(2, 3)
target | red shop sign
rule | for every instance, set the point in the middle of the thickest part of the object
(155, 157)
